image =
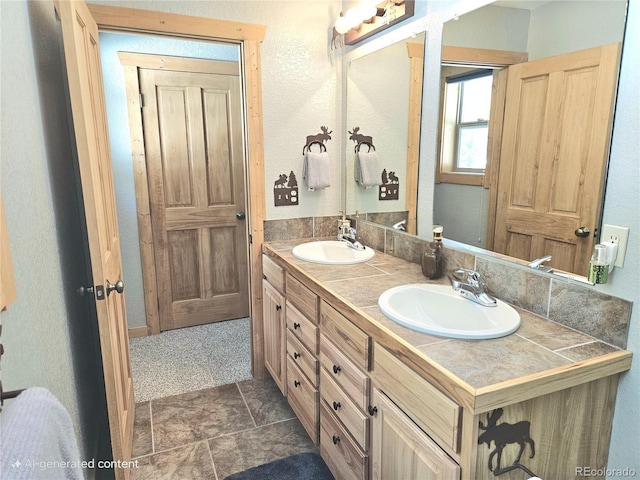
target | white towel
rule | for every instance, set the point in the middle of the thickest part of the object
(316, 170)
(367, 169)
(37, 429)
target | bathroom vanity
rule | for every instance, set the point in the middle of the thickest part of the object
(385, 402)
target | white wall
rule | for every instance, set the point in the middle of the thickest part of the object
(559, 27)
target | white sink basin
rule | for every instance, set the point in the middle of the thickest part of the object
(440, 310)
(332, 252)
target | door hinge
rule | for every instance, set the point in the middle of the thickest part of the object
(250, 239)
(141, 99)
(99, 292)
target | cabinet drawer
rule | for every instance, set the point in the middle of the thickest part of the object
(427, 406)
(303, 358)
(356, 422)
(345, 335)
(344, 372)
(302, 328)
(303, 398)
(304, 299)
(345, 460)
(273, 273)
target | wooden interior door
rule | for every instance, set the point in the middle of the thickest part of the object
(555, 146)
(193, 146)
(82, 55)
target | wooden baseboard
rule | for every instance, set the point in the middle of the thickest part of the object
(136, 332)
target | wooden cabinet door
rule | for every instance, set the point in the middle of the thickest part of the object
(555, 147)
(275, 343)
(82, 55)
(399, 449)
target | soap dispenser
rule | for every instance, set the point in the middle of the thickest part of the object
(601, 262)
(432, 264)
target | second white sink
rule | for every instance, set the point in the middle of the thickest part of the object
(439, 310)
(332, 252)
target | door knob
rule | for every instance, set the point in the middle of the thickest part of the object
(118, 287)
(582, 232)
(240, 215)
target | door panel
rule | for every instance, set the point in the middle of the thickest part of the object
(193, 145)
(82, 55)
(557, 124)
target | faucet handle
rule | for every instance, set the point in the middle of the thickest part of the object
(470, 277)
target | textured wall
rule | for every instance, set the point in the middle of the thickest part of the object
(48, 332)
(622, 207)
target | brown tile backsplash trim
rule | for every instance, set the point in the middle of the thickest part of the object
(582, 308)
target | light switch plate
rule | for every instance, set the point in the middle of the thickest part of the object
(619, 235)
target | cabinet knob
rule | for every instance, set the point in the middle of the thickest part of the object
(296, 383)
(372, 410)
(296, 326)
(336, 406)
(335, 439)
(336, 369)
(278, 307)
(296, 355)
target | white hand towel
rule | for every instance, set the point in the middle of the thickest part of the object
(37, 429)
(367, 169)
(316, 170)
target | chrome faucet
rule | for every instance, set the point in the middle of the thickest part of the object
(537, 264)
(471, 287)
(348, 234)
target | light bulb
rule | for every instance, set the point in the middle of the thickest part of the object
(367, 10)
(342, 25)
(353, 18)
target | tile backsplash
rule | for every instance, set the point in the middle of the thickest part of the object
(581, 307)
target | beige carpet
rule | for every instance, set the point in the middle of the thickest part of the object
(190, 359)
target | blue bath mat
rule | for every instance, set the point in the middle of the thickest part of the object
(303, 466)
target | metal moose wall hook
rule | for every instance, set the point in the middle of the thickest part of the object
(361, 139)
(318, 139)
(503, 435)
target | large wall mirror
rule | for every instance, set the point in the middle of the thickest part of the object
(384, 91)
(523, 32)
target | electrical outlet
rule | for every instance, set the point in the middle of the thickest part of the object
(619, 235)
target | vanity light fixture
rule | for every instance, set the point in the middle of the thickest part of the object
(370, 18)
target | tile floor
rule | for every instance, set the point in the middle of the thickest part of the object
(214, 432)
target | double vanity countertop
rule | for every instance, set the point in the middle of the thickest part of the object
(539, 358)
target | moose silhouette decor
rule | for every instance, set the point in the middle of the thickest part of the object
(318, 139)
(285, 190)
(502, 435)
(361, 139)
(390, 188)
